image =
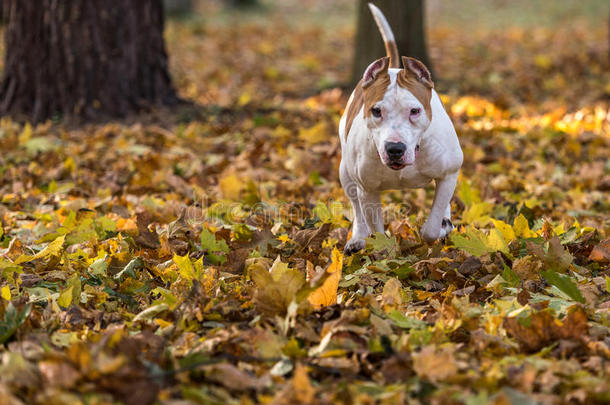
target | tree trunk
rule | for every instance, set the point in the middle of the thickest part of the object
(178, 7)
(244, 3)
(84, 58)
(406, 17)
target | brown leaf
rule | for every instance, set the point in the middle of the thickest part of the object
(233, 378)
(541, 329)
(146, 238)
(58, 374)
(236, 259)
(601, 252)
(312, 237)
(435, 364)
(298, 391)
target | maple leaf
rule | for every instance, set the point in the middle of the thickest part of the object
(276, 288)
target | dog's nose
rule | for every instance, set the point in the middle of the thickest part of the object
(395, 150)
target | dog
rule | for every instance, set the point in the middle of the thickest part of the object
(395, 133)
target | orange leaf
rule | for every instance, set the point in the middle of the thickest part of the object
(601, 252)
(326, 294)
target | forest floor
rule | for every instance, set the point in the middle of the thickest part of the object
(195, 257)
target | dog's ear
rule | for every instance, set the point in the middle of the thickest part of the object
(414, 69)
(374, 70)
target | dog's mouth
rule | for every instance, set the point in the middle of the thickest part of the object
(396, 165)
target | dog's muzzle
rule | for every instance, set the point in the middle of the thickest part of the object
(395, 152)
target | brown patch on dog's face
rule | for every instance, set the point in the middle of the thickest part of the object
(416, 78)
(369, 91)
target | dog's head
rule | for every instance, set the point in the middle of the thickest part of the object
(397, 109)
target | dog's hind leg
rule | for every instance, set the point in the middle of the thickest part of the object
(434, 228)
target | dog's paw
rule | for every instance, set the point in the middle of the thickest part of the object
(429, 233)
(446, 227)
(354, 245)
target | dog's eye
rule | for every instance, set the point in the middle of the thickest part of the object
(415, 111)
(376, 111)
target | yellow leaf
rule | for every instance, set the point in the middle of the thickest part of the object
(231, 187)
(162, 323)
(244, 98)
(495, 241)
(6, 292)
(391, 296)
(522, 228)
(477, 214)
(69, 164)
(543, 61)
(315, 134)
(26, 134)
(505, 229)
(185, 267)
(285, 238)
(65, 298)
(76, 287)
(52, 249)
(326, 294)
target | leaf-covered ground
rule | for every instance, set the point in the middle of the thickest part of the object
(195, 257)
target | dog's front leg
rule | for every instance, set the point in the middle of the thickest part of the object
(367, 219)
(371, 207)
(360, 229)
(437, 225)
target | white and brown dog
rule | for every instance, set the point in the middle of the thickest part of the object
(395, 133)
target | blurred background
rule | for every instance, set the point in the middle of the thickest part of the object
(265, 52)
(512, 52)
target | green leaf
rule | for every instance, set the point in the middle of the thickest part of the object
(564, 283)
(167, 297)
(467, 194)
(470, 242)
(510, 276)
(99, 267)
(321, 211)
(12, 320)
(380, 241)
(216, 249)
(405, 322)
(557, 257)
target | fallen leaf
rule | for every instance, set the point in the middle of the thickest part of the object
(326, 294)
(435, 364)
(541, 329)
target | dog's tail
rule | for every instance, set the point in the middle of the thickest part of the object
(387, 35)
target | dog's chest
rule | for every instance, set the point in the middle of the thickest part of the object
(378, 177)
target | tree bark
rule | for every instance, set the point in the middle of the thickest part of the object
(84, 58)
(178, 7)
(406, 17)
